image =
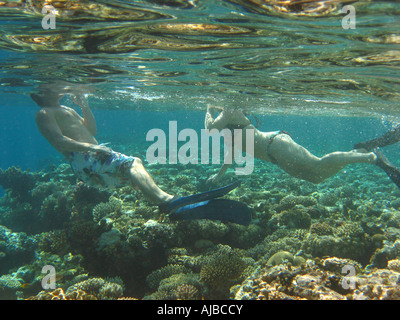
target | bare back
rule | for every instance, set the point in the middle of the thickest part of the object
(58, 124)
(236, 119)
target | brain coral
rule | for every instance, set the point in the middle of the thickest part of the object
(280, 257)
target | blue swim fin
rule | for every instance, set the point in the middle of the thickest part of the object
(208, 195)
(225, 210)
(388, 138)
(392, 171)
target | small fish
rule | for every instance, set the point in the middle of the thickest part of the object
(59, 276)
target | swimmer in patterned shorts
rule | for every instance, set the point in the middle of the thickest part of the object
(74, 137)
(102, 169)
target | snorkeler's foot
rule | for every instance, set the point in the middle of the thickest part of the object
(383, 163)
(199, 197)
(225, 210)
(384, 140)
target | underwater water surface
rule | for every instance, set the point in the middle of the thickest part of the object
(290, 65)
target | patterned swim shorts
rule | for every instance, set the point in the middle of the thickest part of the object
(102, 169)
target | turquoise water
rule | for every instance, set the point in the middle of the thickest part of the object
(145, 63)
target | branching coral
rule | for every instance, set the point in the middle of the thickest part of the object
(221, 269)
(349, 230)
(17, 248)
(20, 182)
(187, 292)
(54, 242)
(181, 286)
(154, 278)
(8, 286)
(99, 288)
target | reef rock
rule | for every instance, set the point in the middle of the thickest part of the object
(327, 279)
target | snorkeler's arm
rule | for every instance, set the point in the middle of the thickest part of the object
(219, 123)
(215, 177)
(49, 128)
(88, 118)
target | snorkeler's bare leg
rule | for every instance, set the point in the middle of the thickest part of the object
(300, 163)
(143, 181)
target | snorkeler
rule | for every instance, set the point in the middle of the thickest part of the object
(74, 137)
(279, 148)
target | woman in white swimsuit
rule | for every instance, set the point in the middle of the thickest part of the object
(279, 148)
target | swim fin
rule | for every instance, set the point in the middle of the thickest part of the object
(384, 140)
(208, 195)
(225, 210)
(383, 163)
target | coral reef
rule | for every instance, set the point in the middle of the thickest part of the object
(15, 249)
(8, 286)
(301, 240)
(98, 288)
(20, 183)
(324, 280)
(90, 289)
(222, 269)
(106, 209)
(154, 278)
(295, 218)
(282, 257)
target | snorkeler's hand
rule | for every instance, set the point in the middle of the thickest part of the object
(211, 108)
(79, 100)
(100, 148)
(212, 179)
